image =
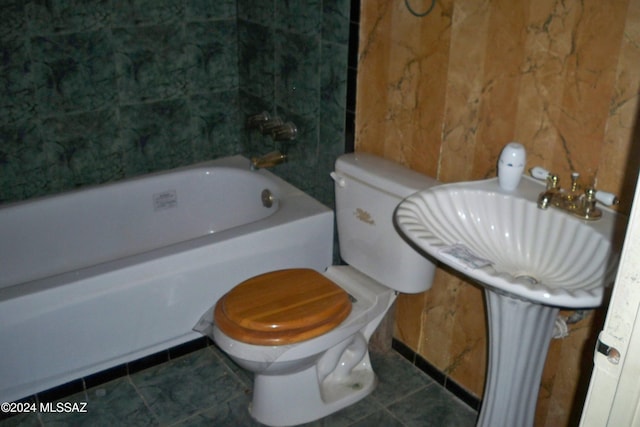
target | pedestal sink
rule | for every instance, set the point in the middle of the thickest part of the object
(531, 262)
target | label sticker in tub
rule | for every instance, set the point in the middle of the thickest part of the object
(462, 255)
(165, 200)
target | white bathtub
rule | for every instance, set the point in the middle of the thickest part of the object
(95, 278)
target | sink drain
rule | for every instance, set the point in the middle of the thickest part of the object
(529, 279)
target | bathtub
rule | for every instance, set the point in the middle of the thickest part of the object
(94, 278)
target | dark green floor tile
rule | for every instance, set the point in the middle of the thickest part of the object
(186, 385)
(107, 405)
(349, 415)
(433, 406)
(377, 419)
(21, 420)
(234, 412)
(397, 377)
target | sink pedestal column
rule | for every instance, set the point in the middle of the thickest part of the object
(519, 336)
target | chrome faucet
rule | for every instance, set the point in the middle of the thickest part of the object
(579, 203)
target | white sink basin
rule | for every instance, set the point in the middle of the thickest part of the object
(543, 256)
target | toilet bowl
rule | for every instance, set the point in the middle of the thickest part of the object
(321, 375)
(304, 334)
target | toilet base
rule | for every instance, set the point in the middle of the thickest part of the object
(300, 397)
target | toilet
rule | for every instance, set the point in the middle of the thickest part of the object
(303, 333)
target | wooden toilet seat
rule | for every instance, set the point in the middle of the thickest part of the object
(282, 307)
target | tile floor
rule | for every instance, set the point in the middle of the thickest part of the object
(204, 388)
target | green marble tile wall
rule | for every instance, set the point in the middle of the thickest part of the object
(293, 64)
(94, 91)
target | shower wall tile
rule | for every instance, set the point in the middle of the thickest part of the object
(67, 16)
(256, 67)
(216, 125)
(82, 149)
(151, 63)
(156, 136)
(24, 165)
(257, 11)
(94, 91)
(294, 64)
(73, 72)
(199, 10)
(297, 61)
(147, 12)
(335, 21)
(302, 17)
(211, 61)
(17, 99)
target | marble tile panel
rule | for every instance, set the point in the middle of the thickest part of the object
(17, 103)
(67, 16)
(73, 73)
(83, 149)
(216, 125)
(461, 119)
(536, 72)
(408, 321)
(590, 74)
(24, 163)
(303, 16)
(17, 93)
(13, 18)
(147, 12)
(199, 10)
(468, 347)
(256, 67)
(155, 136)
(335, 21)
(151, 63)
(333, 86)
(620, 155)
(211, 56)
(439, 315)
(256, 11)
(297, 66)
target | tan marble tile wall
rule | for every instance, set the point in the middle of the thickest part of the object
(443, 94)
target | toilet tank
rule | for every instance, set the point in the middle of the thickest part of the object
(368, 190)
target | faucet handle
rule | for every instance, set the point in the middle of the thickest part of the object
(539, 172)
(270, 125)
(257, 120)
(606, 198)
(285, 132)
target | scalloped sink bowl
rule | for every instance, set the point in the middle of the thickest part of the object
(506, 243)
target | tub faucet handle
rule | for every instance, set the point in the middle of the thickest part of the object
(257, 120)
(270, 125)
(285, 132)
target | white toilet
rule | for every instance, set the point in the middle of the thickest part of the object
(305, 334)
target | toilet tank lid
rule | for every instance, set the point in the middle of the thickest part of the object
(384, 174)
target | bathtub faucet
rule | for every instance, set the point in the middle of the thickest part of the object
(268, 160)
